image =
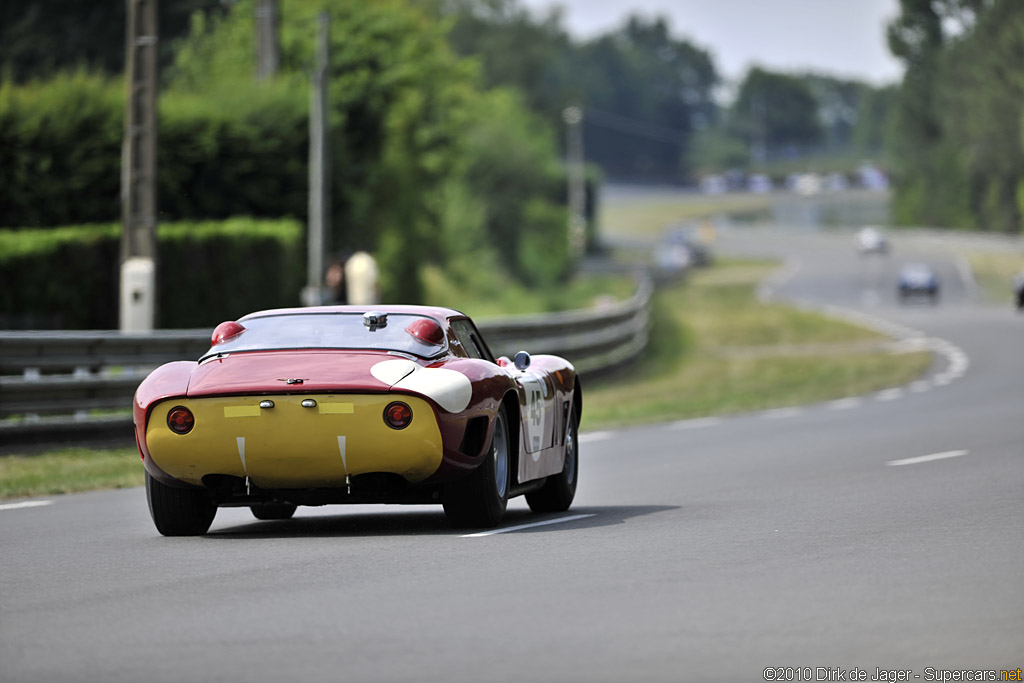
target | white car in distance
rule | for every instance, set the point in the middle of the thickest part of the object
(870, 240)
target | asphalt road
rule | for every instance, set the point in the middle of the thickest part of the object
(816, 536)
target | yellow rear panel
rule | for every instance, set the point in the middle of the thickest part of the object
(289, 446)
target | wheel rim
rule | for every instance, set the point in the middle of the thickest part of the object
(500, 452)
(570, 455)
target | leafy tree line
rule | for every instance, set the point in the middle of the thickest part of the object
(429, 166)
(650, 99)
(38, 37)
(957, 138)
(650, 96)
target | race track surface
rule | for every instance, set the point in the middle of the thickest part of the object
(877, 532)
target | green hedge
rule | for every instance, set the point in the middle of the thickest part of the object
(243, 154)
(208, 272)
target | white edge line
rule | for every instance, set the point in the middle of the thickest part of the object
(781, 413)
(844, 403)
(26, 504)
(527, 526)
(696, 423)
(966, 274)
(926, 458)
(587, 437)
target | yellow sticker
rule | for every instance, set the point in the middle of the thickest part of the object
(241, 411)
(336, 408)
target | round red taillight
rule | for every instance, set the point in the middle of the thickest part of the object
(398, 415)
(181, 420)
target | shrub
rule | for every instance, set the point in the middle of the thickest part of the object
(241, 152)
(207, 272)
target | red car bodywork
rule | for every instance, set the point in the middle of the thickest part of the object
(539, 401)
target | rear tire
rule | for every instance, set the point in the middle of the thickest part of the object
(479, 500)
(558, 491)
(179, 512)
(270, 511)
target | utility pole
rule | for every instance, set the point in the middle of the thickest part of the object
(319, 171)
(267, 55)
(138, 170)
(573, 117)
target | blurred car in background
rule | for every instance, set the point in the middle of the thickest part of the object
(1018, 291)
(759, 183)
(696, 240)
(870, 240)
(672, 261)
(808, 184)
(917, 280)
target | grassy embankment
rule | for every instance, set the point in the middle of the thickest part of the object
(647, 217)
(716, 349)
(994, 272)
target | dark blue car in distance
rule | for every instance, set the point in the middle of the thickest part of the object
(918, 280)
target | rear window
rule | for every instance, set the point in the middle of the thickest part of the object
(328, 331)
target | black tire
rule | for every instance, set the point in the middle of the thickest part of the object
(269, 511)
(479, 500)
(179, 512)
(559, 490)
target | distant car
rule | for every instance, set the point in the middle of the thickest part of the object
(870, 240)
(714, 184)
(759, 183)
(1018, 291)
(808, 184)
(672, 260)
(916, 280)
(340, 404)
(695, 241)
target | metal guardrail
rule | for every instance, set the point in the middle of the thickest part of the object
(62, 385)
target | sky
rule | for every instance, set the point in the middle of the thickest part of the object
(844, 38)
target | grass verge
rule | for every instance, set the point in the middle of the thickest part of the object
(716, 349)
(69, 471)
(649, 217)
(494, 295)
(994, 272)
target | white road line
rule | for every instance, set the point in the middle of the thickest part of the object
(941, 380)
(696, 423)
(966, 274)
(527, 526)
(844, 403)
(766, 290)
(919, 386)
(26, 504)
(780, 413)
(889, 394)
(595, 436)
(926, 458)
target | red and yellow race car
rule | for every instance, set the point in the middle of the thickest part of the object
(340, 404)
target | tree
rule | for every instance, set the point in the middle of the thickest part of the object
(777, 114)
(956, 130)
(40, 37)
(399, 103)
(516, 49)
(658, 91)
